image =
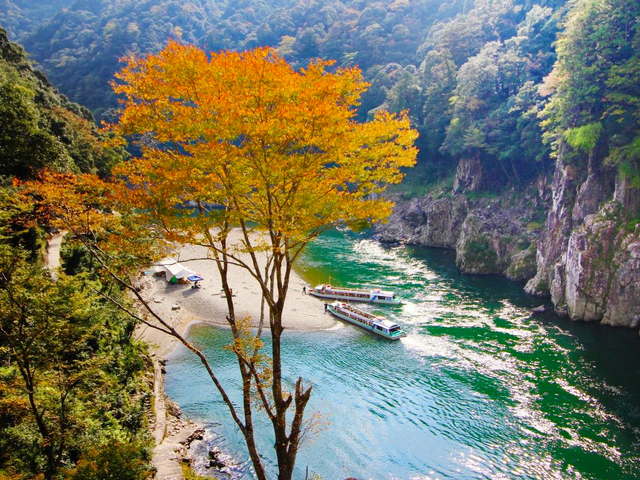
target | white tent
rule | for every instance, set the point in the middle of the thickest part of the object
(174, 271)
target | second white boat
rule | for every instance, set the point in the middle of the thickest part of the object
(374, 323)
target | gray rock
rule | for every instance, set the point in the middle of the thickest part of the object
(469, 175)
(523, 264)
(555, 236)
(626, 195)
(623, 306)
(414, 214)
(444, 219)
(598, 277)
(489, 235)
(587, 273)
(490, 240)
(197, 434)
(215, 460)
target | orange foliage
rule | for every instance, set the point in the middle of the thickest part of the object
(277, 147)
(61, 197)
(88, 207)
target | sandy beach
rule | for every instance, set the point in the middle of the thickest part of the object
(183, 306)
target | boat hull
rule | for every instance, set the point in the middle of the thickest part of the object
(331, 309)
(347, 298)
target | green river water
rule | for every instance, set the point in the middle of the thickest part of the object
(477, 389)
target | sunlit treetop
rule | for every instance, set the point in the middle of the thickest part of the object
(277, 147)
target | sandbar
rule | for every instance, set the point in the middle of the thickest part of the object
(182, 306)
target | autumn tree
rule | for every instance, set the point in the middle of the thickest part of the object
(280, 152)
(243, 141)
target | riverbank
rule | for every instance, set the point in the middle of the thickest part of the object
(173, 435)
(183, 306)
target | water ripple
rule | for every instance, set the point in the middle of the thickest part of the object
(477, 389)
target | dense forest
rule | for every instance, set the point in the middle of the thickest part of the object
(529, 166)
(468, 72)
(20, 17)
(73, 383)
(475, 76)
(40, 127)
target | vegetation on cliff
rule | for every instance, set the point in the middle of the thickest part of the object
(594, 108)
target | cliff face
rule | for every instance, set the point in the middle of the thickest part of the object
(586, 257)
(491, 234)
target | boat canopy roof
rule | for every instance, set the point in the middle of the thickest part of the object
(378, 319)
(388, 323)
(376, 291)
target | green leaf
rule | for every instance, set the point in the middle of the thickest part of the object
(584, 138)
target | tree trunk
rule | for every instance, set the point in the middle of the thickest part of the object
(286, 445)
(42, 428)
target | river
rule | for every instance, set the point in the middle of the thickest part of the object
(478, 388)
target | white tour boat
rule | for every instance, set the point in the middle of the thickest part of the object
(375, 295)
(374, 323)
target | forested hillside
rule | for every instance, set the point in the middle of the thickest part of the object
(73, 392)
(41, 128)
(471, 73)
(546, 148)
(19, 17)
(467, 71)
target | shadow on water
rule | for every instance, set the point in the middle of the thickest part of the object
(478, 389)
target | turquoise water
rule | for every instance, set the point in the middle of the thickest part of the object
(477, 389)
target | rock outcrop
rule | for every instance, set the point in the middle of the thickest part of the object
(588, 254)
(623, 306)
(490, 235)
(573, 199)
(555, 236)
(580, 286)
(469, 176)
(586, 257)
(490, 240)
(598, 277)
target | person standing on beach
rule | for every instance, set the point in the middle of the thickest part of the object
(304, 289)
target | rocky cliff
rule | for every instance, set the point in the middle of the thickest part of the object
(492, 234)
(586, 256)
